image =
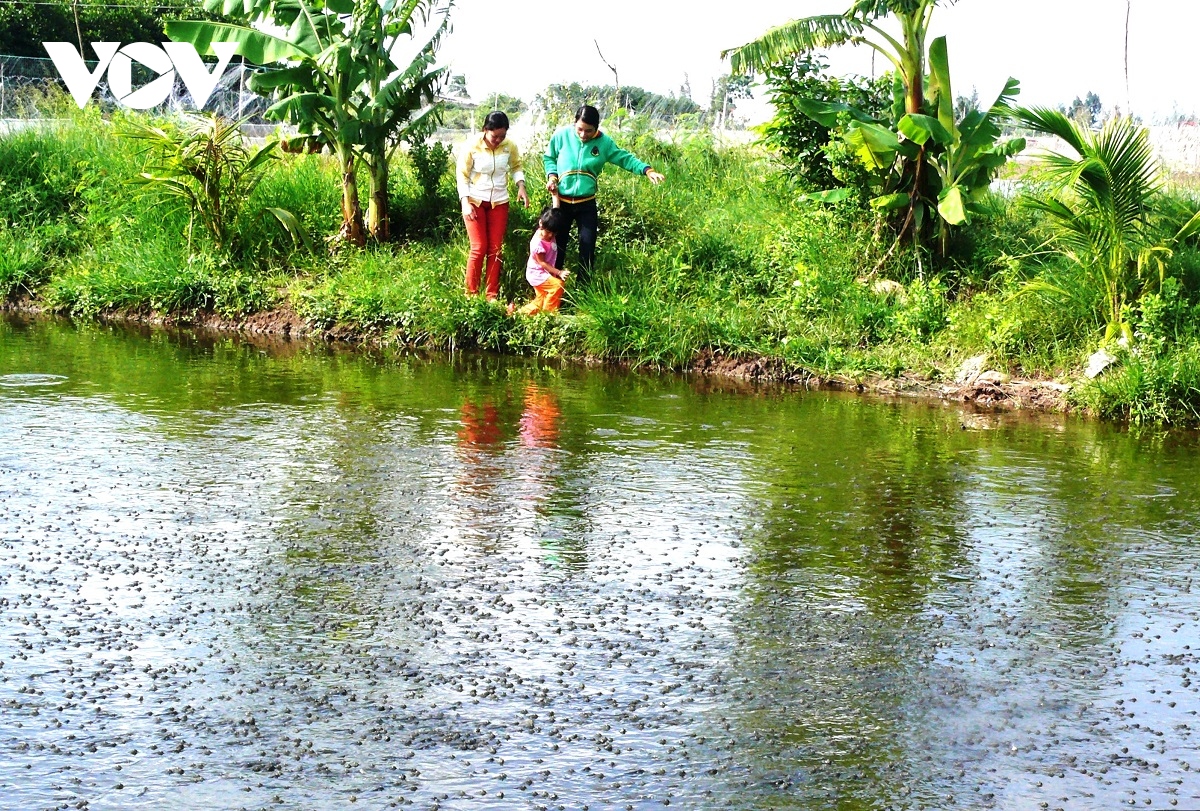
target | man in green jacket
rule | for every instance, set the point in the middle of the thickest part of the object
(573, 160)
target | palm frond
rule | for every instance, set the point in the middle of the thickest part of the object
(1052, 122)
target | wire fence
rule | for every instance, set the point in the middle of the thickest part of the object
(31, 90)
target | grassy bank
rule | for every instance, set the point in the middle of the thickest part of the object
(720, 260)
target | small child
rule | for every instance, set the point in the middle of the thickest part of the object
(540, 272)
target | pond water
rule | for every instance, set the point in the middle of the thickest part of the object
(246, 576)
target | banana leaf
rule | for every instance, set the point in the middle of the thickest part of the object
(891, 202)
(256, 46)
(951, 205)
(921, 128)
(828, 196)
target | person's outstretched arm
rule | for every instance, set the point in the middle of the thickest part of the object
(626, 160)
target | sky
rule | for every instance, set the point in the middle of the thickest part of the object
(1058, 49)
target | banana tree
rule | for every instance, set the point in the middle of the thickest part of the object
(928, 164)
(398, 105)
(333, 75)
(858, 25)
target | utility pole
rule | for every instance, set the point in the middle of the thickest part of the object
(78, 30)
(1128, 104)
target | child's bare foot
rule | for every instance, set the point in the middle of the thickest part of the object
(511, 308)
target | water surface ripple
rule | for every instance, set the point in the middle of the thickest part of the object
(239, 576)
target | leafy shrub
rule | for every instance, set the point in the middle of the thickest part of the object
(801, 141)
(923, 312)
(426, 208)
(1165, 317)
(430, 162)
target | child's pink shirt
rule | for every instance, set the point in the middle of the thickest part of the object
(547, 250)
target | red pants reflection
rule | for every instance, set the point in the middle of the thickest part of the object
(480, 424)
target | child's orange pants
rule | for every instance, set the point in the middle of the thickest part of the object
(546, 300)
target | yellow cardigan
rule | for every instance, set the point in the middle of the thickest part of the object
(483, 172)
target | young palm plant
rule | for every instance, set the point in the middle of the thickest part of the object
(206, 164)
(1102, 209)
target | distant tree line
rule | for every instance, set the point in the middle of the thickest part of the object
(1085, 112)
(24, 26)
(559, 101)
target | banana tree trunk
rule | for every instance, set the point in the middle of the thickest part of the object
(378, 220)
(913, 60)
(914, 98)
(352, 217)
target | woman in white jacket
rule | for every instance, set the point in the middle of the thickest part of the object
(484, 169)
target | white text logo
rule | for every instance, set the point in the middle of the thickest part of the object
(171, 58)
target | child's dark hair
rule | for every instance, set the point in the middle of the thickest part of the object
(551, 219)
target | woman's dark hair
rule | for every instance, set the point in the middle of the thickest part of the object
(588, 115)
(551, 219)
(495, 120)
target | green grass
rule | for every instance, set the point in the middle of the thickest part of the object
(1149, 389)
(24, 263)
(720, 259)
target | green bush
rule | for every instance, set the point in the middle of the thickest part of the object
(923, 311)
(1165, 317)
(801, 142)
(423, 197)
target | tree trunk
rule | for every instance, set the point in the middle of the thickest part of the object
(913, 60)
(379, 221)
(352, 218)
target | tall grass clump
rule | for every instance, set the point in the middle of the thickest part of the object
(22, 262)
(1149, 388)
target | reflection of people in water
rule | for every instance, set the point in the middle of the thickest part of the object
(542, 475)
(510, 478)
(480, 424)
(477, 508)
(539, 422)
